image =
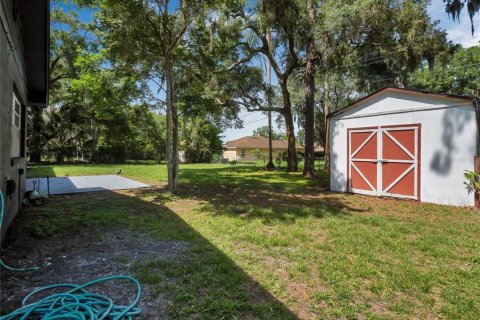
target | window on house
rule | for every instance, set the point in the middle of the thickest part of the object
(16, 127)
(243, 154)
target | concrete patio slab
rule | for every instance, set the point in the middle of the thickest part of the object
(63, 185)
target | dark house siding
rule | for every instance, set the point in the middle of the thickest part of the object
(24, 30)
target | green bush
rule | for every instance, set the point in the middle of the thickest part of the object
(473, 180)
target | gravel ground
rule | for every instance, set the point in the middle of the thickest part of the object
(81, 257)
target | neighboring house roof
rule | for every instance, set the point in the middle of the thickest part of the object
(394, 89)
(35, 18)
(253, 142)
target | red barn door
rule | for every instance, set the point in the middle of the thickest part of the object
(363, 162)
(384, 161)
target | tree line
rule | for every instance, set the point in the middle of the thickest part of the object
(153, 76)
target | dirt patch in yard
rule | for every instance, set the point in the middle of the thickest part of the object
(78, 238)
(83, 256)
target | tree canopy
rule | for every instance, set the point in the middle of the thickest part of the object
(263, 132)
(145, 79)
(455, 7)
(458, 75)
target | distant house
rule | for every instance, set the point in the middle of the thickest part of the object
(24, 55)
(243, 149)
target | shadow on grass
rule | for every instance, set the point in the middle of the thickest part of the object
(278, 197)
(200, 282)
(251, 177)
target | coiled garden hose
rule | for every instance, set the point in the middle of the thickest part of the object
(2, 264)
(77, 303)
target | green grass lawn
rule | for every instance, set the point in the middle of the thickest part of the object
(272, 245)
(244, 174)
(149, 172)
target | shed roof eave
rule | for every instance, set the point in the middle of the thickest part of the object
(35, 15)
(394, 89)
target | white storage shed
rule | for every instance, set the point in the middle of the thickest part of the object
(406, 143)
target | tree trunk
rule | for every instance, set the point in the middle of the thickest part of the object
(270, 165)
(326, 111)
(309, 164)
(326, 165)
(175, 159)
(35, 157)
(59, 158)
(172, 131)
(292, 165)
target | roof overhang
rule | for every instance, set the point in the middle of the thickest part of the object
(402, 90)
(35, 15)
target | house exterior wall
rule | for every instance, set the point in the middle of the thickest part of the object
(448, 141)
(12, 79)
(230, 154)
(250, 154)
(236, 153)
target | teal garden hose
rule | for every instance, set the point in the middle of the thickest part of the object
(2, 264)
(75, 303)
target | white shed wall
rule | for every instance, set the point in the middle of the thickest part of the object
(448, 141)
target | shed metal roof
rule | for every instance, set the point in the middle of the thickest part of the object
(404, 90)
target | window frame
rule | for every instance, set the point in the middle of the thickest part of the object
(15, 113)
(16, 147)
